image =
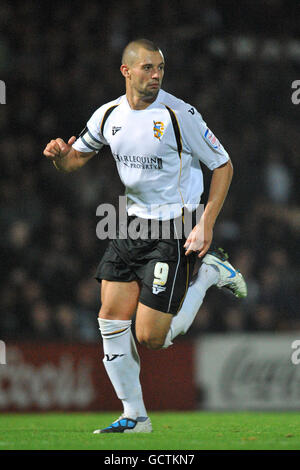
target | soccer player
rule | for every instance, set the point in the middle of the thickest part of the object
(158, 142)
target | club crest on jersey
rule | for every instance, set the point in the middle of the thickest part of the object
(212, 140)
(158, 129)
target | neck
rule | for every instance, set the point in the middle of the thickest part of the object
(139, 102)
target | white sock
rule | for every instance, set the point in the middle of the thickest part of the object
(207, 276)
(122, 364)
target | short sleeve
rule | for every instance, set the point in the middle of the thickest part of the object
(90, 138)
(200, 140)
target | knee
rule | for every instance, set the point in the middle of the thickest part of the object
(151, 342)
(107, 313)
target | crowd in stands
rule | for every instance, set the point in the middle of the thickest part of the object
(60, 61)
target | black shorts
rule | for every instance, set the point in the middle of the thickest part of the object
(159, 264)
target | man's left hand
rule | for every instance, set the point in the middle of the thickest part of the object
(199, 239)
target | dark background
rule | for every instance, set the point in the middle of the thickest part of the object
(234, 61)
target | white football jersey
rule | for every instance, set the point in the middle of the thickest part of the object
(157, 151)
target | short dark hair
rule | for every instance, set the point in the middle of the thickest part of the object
(145, 43)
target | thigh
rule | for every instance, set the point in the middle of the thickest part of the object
(115, 264)
(151, 326)
(119, 299)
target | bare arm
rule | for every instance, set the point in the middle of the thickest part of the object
(64, 156)
(201, 236)
(219, 186)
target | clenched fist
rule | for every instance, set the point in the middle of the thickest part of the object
(57, 148)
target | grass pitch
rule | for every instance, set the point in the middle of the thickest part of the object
(172, 431)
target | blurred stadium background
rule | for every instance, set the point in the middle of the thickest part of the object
(235, 61)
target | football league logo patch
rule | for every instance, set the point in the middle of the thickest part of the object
(211, 138)
(158, 129)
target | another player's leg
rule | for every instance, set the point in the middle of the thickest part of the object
(215, 270)
(121, 359)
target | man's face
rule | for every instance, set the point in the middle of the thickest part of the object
(146, 73)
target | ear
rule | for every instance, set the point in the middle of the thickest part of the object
(125, 70)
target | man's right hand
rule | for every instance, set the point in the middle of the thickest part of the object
(57, 149)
